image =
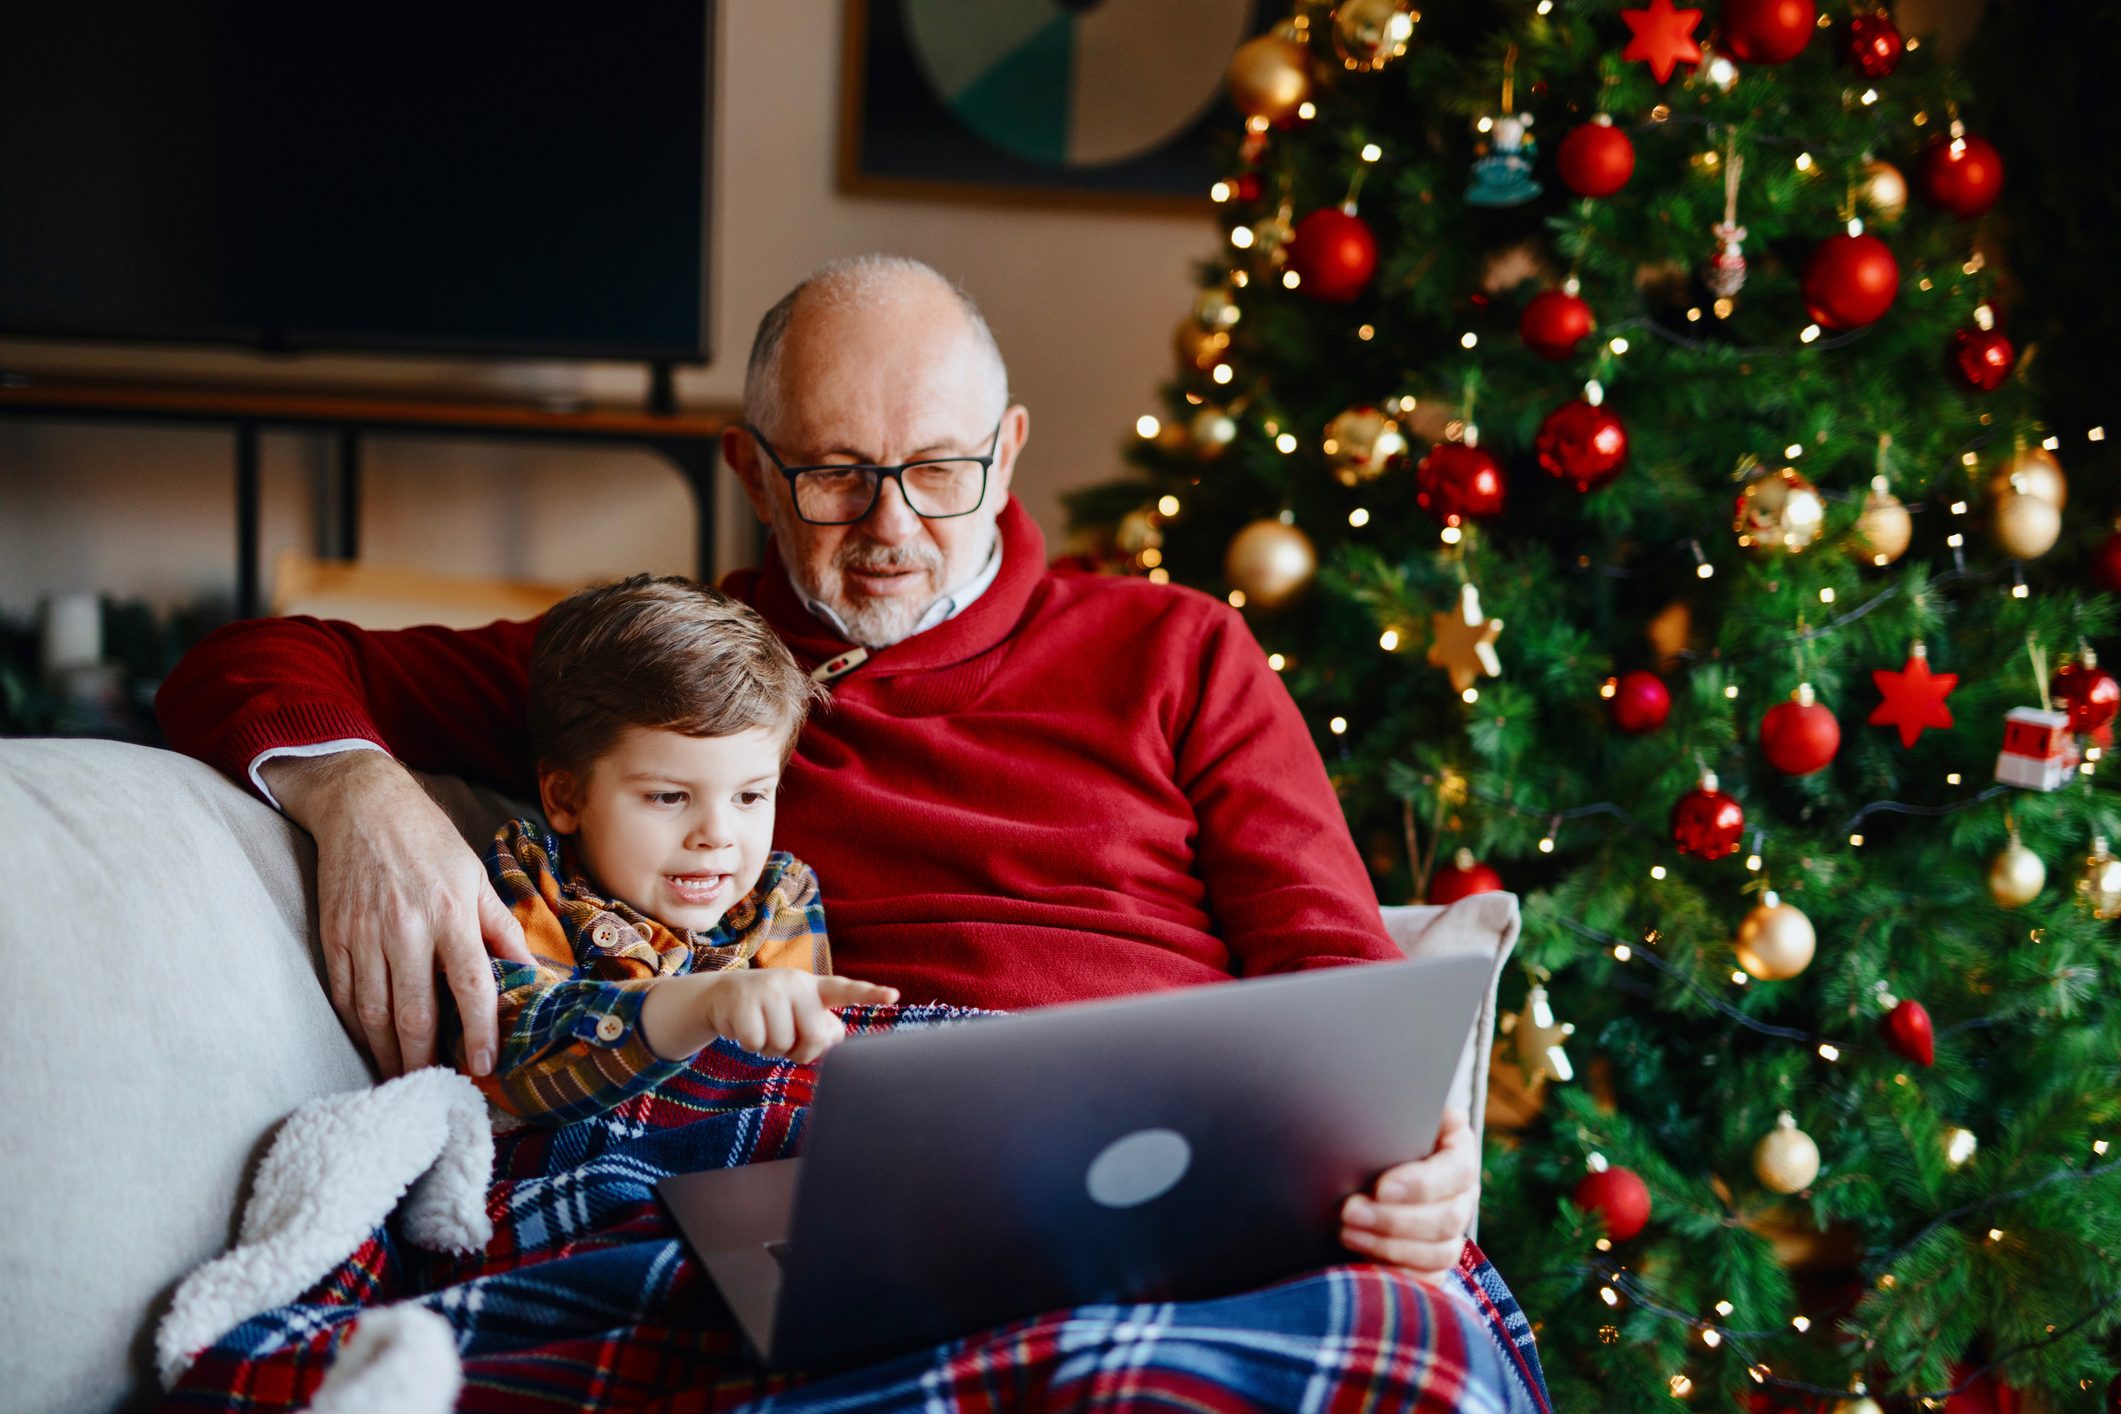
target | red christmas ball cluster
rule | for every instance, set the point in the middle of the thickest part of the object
(1875, 45)
(1554, 324)
(1597, 158)
(1982, 358)
(1962, 175)
(1767, 31)
(1582, 444)
(1333, 254)
(1640, 702)
(1619, 1196)
(1850, 281)
(1456, 483)
(2088, 693)
(1706, 822)
(1463, 877)
(1799, 737)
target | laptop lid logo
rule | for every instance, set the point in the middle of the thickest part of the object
(1138, 1168)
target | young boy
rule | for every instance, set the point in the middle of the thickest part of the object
(661, 714)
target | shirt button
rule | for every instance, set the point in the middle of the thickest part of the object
(606, 933)
(610, 1028)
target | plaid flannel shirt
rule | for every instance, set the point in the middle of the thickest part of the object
(570, 1025)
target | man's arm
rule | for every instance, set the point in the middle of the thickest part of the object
(1285, 885)
(398, 889)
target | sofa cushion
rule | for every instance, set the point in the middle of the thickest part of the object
(157, 930)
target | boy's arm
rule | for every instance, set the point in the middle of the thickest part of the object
(572, 1044)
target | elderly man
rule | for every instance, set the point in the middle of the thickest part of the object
(1030, 787)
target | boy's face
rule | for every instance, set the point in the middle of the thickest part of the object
(677, 826)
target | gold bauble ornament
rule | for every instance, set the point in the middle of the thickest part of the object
(1884, 191)
(1270, 234)
(1862, 1404)
(1138, 531)
(1369, 34)
(1215, 308)
(1271, 561)
(1786, 1159)
(1270, 77)
(1779, 511)
(2016, 875)
(1775, 941)
(1884, 528)
(2027, 526)
(1199, 348)
(1213, 430)
(2099, 884)
(2035, 471)
(1363, 444)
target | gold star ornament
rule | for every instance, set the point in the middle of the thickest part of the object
(1539, 1036)
(1464, 642)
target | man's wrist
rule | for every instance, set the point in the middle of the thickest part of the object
(308, 788)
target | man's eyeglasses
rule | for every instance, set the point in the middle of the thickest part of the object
(841, 493)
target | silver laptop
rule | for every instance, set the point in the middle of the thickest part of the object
(1173, 1146)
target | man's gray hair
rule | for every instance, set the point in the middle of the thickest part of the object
(852, 283)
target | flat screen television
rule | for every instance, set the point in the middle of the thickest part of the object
(527, 178)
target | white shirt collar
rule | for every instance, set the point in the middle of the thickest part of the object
(941, 611)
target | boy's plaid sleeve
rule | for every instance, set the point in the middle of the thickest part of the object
(571, 1044)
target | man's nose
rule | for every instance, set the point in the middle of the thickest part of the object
(892, 519)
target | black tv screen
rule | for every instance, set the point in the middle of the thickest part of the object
(527, 178)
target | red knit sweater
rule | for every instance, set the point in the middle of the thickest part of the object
(1079, 786)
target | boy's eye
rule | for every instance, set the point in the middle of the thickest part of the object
(753, 797)
(666, 797)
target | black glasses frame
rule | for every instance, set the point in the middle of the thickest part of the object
(884, 473)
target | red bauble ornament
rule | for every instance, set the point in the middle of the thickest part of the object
(1962, 175)
(1850, 281)
(1907, 1030)
(1706, 823)
(1463, 877)
(1875, 44)
(1619, 1196)
(1767, 31)
(1640, 702)
(1554, 323)
(1661, 37)
(1799, 736)
(1333, 254)
(2106, 564)
(1983, 358)
(1456, 483)
(2088, 693)
(1597, 158)
(1246, 188)
(1984, 1395)
(1583, 444)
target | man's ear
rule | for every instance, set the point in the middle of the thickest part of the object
(740, 453)
(1016, 430)
(561, 795)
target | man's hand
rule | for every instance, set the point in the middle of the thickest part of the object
(398, 891)
(773, 1011)
(1418, 1216)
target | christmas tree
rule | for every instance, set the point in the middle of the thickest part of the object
(1608, 419)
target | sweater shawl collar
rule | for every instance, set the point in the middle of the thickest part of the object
(985, 622)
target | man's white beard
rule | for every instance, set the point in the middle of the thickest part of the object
(875, 622)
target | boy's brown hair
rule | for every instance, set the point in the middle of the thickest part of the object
(660, 652)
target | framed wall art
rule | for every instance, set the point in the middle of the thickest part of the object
(1108, 103)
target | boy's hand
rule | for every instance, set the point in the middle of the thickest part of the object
(773, 1011)
(1418, 1215)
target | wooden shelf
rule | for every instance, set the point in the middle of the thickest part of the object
(688, 439)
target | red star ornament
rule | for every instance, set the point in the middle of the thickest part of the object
(1914, 697)
(1662, 37)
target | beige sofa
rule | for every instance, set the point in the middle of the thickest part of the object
(166, 1012)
